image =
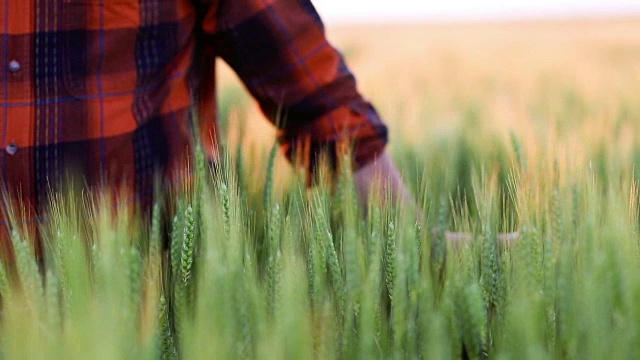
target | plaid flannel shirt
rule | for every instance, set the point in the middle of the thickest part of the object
(104, 88)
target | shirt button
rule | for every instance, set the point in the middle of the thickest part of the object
(11, 149)
(14, 66)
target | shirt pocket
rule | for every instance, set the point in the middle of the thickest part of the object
(116, 47)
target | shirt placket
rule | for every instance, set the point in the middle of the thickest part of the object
(16, 116)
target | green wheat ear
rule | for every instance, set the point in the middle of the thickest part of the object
(28, 268)
(439, 245)
(167, 345)
(239, 171)
(182, 281)
(312, 273)
(54, 310)
(517, 148)
(135, 280)
(4, 281)
(201, 165)
(155, 238)
(471, 316)
(334, 270)
(274, 260)
(551, 244)
(186, 259)
(176, 242)
(490, 271)
(226, 209)
(390, 259)
(268, 184)
(537, 255)
(415, 258)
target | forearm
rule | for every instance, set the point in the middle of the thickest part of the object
(382, 172)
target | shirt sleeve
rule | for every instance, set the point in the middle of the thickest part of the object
(280, 51)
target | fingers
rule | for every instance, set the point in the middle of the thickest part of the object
(456, 238)
(508, 238)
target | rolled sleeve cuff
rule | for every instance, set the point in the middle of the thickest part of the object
(356, 127)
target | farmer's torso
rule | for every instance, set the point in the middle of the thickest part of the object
(101, 88)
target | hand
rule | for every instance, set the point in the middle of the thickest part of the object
(456, 238)
(383, 172)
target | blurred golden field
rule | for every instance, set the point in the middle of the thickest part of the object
(566, 86)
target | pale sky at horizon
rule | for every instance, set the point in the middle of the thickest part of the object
(341, 11)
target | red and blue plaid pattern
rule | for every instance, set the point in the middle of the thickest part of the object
(104, 88)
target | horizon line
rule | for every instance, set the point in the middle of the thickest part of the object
(491, 16)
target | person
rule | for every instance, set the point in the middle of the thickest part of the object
(106, 88)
